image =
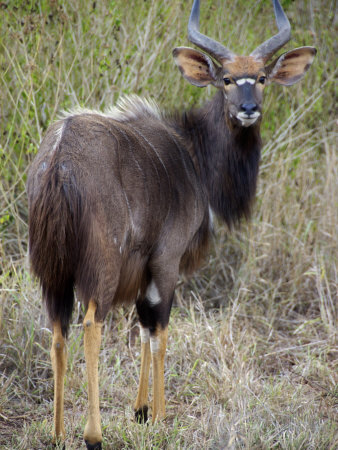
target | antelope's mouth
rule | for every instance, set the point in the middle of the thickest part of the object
(247, 119)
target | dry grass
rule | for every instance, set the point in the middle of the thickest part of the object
(252, 356)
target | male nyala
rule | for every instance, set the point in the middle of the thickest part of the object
(120, 202)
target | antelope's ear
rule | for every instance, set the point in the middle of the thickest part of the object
(290, 67)
(195, 66)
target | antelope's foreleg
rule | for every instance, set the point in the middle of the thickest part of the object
(92, 340)
(141, 403)
(158, 345)
(58, 355)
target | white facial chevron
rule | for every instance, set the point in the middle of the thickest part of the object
(241, 81)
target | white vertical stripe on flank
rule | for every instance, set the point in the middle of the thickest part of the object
(58, 135)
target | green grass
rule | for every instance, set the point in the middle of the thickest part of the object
(252, 355)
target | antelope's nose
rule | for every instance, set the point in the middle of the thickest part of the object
(248, 108)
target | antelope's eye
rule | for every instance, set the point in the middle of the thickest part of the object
(227, 81)
(262, 80)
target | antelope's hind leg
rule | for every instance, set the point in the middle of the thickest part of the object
(153, 311)
(92, 341)
(158, 345)
(141, 403)
(58, 356)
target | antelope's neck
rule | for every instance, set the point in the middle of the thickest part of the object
(226, 157)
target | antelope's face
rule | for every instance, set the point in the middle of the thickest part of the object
(242, 78)
(242, 82)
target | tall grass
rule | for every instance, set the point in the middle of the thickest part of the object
(252, 357)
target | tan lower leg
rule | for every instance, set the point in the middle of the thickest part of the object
(158, 344)
(92, 342)
(141, 403)
(58, 356)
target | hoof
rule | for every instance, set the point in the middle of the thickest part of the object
(141, 415)
(97, 446)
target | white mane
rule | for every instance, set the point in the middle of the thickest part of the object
(127, 108)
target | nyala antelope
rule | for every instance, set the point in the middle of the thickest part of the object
(120, 202)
